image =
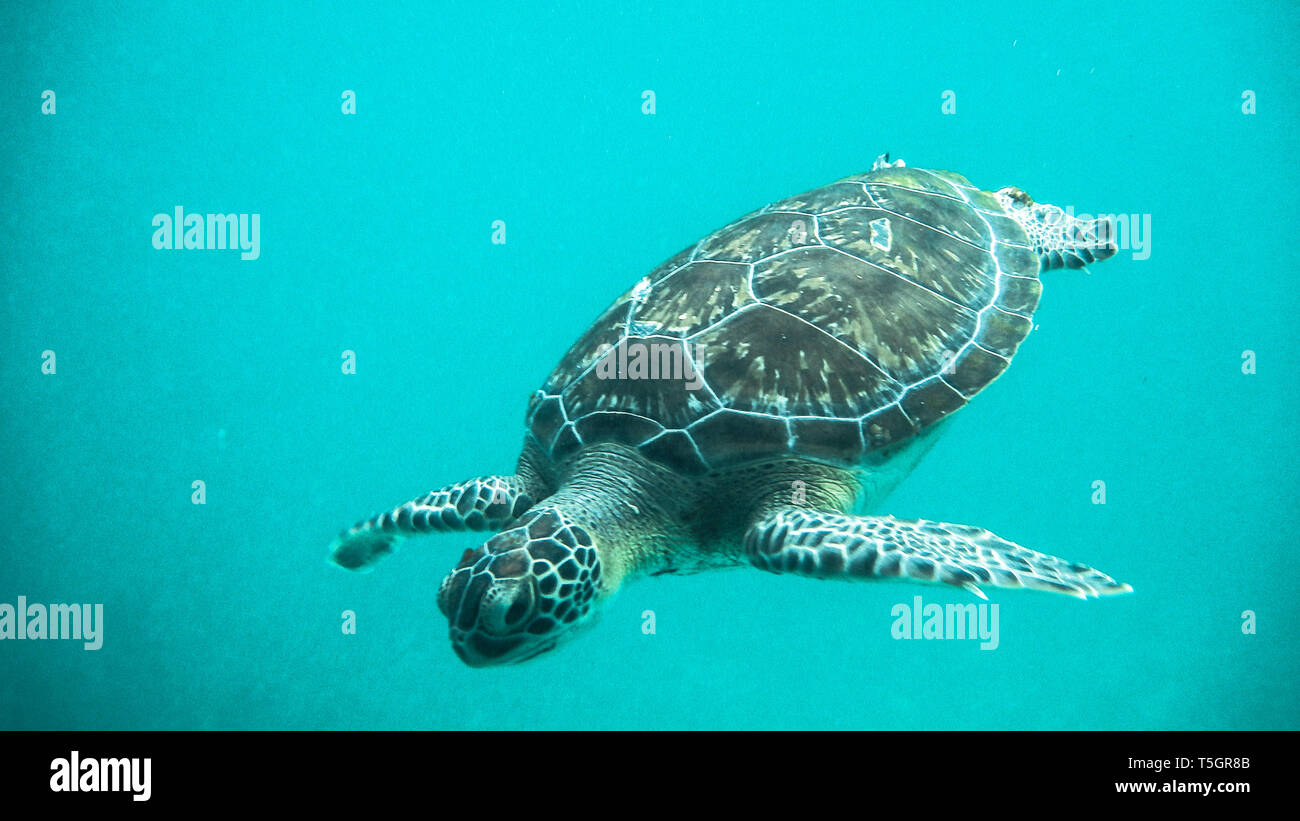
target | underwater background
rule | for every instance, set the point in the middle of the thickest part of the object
(376, 237)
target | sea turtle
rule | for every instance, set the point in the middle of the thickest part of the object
(749, 401)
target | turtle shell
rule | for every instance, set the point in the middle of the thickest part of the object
(832, 326)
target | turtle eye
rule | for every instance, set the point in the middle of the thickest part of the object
(506, 604)
(1015, 197)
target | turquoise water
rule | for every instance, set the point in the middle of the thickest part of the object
(375, 237)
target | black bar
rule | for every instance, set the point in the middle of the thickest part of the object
(450, 772)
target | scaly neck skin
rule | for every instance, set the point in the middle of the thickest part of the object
(633, 508)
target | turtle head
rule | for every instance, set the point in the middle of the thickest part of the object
(524, 591)
(1060, 238)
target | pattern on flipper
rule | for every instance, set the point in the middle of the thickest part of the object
(832, 545)
(485, 503)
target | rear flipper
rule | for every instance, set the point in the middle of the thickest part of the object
(485, 503)
(838, 546)
(1060, 239)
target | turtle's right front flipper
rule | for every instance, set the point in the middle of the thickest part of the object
(830, 545)
(485, 503)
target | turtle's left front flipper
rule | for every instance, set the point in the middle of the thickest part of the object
(485, 503)
(838, 546)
